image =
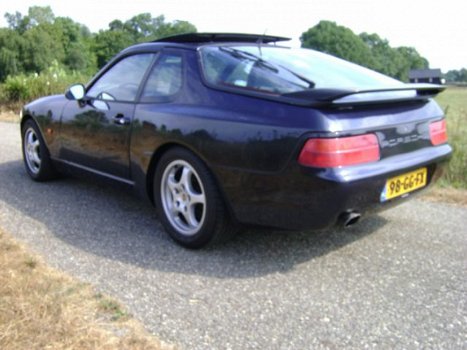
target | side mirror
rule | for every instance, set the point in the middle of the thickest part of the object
(75, 92)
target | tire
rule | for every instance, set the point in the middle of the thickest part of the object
(188, 201)
(36, 156)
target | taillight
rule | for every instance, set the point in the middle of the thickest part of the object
(341, 151)
(438, 132)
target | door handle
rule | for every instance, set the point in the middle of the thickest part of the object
(120, 119)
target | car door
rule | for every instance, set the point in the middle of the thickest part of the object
(95, 132)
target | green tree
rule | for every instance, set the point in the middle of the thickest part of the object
(31, 42)
(143, 27)
(385, 59)
(140, 28)
(174, 28)
(39, 38)
(17, 22)
(10, 44)
(339, 41)
(107, 43)
(366, 49)
(39, 15)
(36, 15)
(411, 59)
(457, 76)
(41, 46)
(77, 42)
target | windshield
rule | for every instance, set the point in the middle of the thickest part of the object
(278, 70)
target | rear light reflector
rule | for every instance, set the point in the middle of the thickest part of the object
(341, 151)
(438, 132)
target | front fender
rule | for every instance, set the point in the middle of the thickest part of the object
(46, 112)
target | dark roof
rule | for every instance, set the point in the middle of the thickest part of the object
(424, 73)
(221, 37)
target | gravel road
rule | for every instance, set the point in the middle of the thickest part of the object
(395, 281)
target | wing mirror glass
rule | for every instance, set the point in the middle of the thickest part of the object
(75, 92)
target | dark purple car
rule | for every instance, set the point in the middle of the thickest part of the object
(225, 129)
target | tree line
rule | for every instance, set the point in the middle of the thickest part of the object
(32, 42)
(368, 50)
(457, 76)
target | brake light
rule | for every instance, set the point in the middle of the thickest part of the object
(341, 151)
(438, 132)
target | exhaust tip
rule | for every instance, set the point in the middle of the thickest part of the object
(349, 218)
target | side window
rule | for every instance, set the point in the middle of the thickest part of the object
(121, 82)
(165, 80)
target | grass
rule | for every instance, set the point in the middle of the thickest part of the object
(454, 103)
(41, 308)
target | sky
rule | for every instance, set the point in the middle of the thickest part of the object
(437, 29)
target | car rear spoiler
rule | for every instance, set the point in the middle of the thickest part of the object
(346, 97)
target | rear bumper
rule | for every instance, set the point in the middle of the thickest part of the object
(307, 198)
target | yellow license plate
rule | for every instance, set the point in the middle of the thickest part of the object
(399, 185)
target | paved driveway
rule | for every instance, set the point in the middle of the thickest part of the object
(397, 280)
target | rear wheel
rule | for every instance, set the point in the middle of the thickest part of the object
(188, 201)
(35, 153)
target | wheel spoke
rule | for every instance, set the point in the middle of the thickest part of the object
(197, 198)
(185, 178)
(175, 210)
(172, 182)
(189, 188)
(36, 144)
(191, 217)
(195, 195)
(36, 159)
(30, 138)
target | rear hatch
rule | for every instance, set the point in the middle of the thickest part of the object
(404, 119)
(354, 100)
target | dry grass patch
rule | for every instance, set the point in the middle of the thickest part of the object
(446, 195)
(10, 112)
(10, 116)
(41, 308)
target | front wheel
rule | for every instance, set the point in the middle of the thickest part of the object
(188, 201)
(35, 153)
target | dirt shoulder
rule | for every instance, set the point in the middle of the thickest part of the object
(8, 115)
(446, 195)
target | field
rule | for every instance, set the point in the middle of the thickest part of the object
(454, 103)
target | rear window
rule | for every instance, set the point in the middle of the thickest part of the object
(278, 70)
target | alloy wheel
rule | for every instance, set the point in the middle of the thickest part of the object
(183, 197)
(32, 151)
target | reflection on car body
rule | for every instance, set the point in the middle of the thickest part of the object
(219, 130)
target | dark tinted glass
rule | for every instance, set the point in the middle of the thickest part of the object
(165, 80)
(122, 81)
(282, 70)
